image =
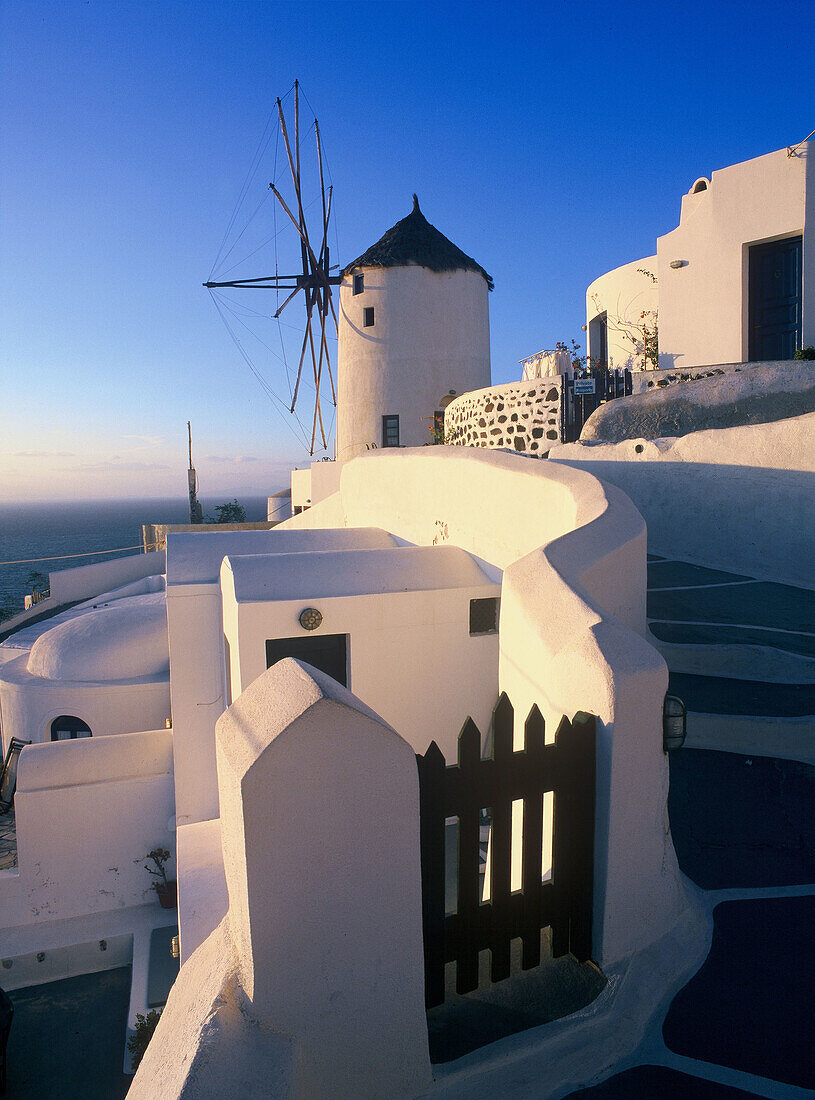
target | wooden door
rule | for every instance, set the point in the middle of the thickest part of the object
(775, 299)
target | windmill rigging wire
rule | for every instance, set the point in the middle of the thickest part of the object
(253, 167)
(269, 392)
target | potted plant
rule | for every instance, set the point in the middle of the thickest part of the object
(165, 888)
(143, 1033)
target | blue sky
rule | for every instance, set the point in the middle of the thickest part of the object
(551, 141)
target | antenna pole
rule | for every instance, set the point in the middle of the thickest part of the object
(196, 511)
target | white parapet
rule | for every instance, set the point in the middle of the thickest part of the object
(313, 984)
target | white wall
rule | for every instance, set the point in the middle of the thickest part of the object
(87, 812)
(197, 673)
(314, 484)
(523, 415)
(85, 581)
(411, 656)
(29, 704)
(741, 499)
(703, 304)
(431, 335)
(313, 985)
(571, 638)
(624, 294)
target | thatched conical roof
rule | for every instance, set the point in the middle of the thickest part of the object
(414, 240)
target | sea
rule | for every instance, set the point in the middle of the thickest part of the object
(38, 538)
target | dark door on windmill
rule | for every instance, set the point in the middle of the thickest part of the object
(775, 299)
(328, 652)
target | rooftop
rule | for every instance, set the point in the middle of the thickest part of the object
(413, 240)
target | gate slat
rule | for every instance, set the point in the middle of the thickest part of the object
(581, 758)
(469, 759)
(500, 841)
(532, 844)
(561, 846)
(431, 802)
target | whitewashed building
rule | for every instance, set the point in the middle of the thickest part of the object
(733, 283)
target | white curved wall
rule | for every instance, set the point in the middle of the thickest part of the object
(571, 638)
(734, 498)
(522, 415)
(430, 335)
(623, 294)
(29, 704)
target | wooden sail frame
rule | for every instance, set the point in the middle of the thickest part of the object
(315, 279)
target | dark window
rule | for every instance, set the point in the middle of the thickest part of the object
(484, 615)
(368, 317)
(68, 728)
(359, 284)
(438, 426)
(328, 652)
(776, 298)
(390, 431)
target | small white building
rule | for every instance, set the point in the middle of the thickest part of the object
(733, 283)
(101, 667)
(413, 331)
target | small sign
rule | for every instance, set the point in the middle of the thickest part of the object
(583, 386)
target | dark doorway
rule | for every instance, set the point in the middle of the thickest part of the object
(775, 299)
(68, 728)
(328, 652)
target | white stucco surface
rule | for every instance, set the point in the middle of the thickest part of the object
(87, 580)
(430, 336)
(739, 498)
(624, 295)
(571, 638)
(117, 795)
(351, 573)
(197, 672)
(118, 642)
(702, 266)
(313, 985)
(676, 403)
(196, 558)
(405, 615)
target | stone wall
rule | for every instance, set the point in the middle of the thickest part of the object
(520, 415)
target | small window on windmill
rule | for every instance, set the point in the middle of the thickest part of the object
(368, 317)
(484, 615)
(390, 431)
(359, 284)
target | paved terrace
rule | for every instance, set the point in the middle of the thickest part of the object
(744, 830)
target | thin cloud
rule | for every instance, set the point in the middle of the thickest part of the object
(124, 466)
(237, 459)
(44, 454)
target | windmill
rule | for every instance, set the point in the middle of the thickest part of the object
(315, 280)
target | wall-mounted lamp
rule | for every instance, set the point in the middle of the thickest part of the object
(674, 723)
(310, 618)
(583, 328)
(678, 263)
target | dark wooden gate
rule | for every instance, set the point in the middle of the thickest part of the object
(577, 407)
(474, 785)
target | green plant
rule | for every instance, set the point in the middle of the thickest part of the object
(40, 585)
(232, 512)
(805, 353)
(159, 856)
(579, 362)
(138, 1041)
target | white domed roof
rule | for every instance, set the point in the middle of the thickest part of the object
(120, 642)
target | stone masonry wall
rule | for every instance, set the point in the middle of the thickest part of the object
(520, 415)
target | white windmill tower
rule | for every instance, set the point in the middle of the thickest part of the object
(413, 330)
